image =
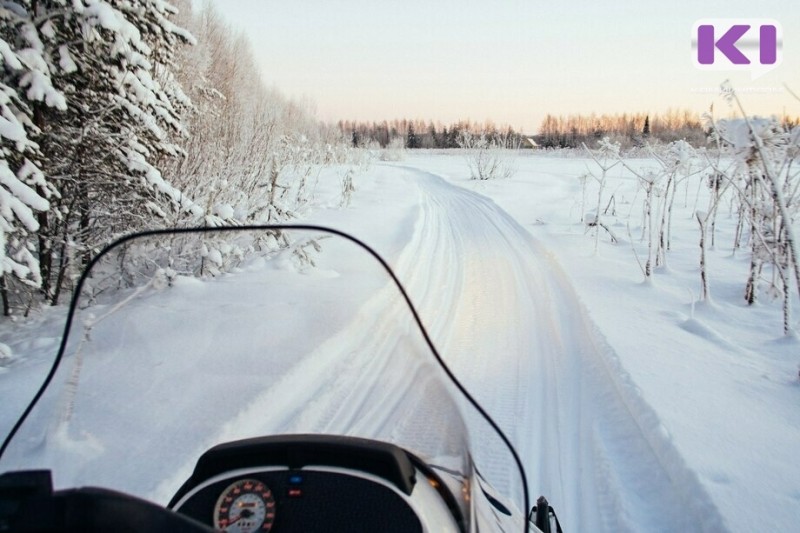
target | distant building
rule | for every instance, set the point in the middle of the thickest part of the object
(528, 142)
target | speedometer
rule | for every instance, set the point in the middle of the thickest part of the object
(245, 506)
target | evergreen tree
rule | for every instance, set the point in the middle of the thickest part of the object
(90, 98)
(452, 136)
(442, 141)
(646, 128)
(411, 138)
(25, 85)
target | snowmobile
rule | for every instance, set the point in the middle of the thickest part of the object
(271, 379)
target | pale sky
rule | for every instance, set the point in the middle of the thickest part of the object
(510, 61)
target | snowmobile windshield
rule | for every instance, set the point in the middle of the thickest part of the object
(179, 341)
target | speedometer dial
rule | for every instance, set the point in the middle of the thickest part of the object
(245, 506)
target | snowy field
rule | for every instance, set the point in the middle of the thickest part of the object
(634, 406)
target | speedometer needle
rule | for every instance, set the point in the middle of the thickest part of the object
(246, 513)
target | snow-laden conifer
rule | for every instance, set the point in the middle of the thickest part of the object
(25, 82)
(88, 83)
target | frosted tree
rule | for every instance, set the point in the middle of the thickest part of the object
(394, 151)
(89, 99)
(676, 164)
(489, 156)
(252, 156)
(768, 185)
(606, 157)
(251, 153)
(25, 83)
(650, 181)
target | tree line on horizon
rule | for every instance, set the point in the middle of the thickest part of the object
(425, 134)
(555, 131)
(570, 131)
(628, 129)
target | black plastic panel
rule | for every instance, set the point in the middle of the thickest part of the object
(319, 501)
(296, 451)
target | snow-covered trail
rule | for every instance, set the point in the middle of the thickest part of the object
(512, 328)
(505, 318)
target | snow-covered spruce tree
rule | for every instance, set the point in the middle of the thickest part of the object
(98, 149)
(24, 193)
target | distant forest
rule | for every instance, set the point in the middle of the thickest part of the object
(422, 134)
(629, 129)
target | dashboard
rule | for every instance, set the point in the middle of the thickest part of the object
(299, 500)
(317, 483)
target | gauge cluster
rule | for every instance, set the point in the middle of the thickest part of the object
(279, 500)
(308, 483)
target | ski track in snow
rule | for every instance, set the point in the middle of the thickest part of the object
(514, 331)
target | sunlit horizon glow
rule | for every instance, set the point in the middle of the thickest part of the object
(510, 61)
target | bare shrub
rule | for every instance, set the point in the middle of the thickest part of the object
(489, 157)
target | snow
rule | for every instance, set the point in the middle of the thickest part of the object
(41, 89)
(10, 127)
(21, 191)
(634, 406)
(109, 18)
(5, 353)
(224, 211)
(153, 177)
(8, 56)
(66, 62)
(731, 414)
(18, 202)
(48, 30)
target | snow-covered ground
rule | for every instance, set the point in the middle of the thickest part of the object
(712, 387)
(633, 407)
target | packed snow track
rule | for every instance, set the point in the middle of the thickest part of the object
(509, 324)
(514, 331)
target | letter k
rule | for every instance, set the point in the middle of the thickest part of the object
(726, 44)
